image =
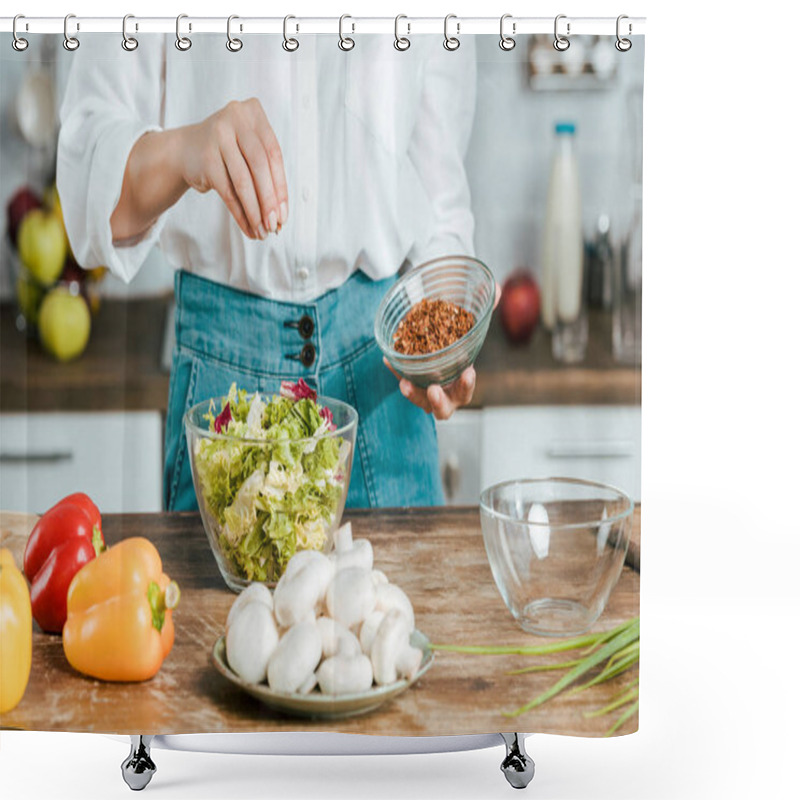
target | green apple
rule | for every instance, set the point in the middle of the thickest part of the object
(64, 323)
(42, 245)
(29, 295)
(52, 200)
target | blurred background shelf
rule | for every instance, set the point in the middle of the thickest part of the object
(529, 375)
(119, 371)
(123, 367)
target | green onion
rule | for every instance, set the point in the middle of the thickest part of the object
(624, 717)
(544, 667)
(613, 652)
(633, 694)
(592, 639)
(622, 639)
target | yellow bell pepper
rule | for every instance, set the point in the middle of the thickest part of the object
(119, 614)
(16, 633)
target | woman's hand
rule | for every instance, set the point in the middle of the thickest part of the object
(437, 400)
(234, 152)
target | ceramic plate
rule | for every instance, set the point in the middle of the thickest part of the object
(321, 706)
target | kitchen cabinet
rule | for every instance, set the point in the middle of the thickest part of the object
(460, 445)
(478, 448)
(115, 457)
(600, 443)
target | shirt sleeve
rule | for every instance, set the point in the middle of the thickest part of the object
(112, 98)
(438, 147)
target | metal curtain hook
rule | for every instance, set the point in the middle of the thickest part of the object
(233, 44)
(451, 42)
(345, 42)
(182, 42)
(401, 43)
(128, 42)
(289, 44)
(623, 45)
(561, 43)
(507, 42)
(18, 43)
(70, 42)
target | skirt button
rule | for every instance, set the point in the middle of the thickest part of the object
(306, 326)
(308, 354)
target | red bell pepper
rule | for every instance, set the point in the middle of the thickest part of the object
(66, 537)
(87, 504)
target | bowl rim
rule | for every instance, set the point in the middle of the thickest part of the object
(321, 400)
(402, 358)
(627, 512)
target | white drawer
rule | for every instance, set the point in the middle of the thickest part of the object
(460, 456)
(116, 458)
(600, 443)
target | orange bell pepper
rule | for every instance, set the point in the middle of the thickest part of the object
(16, 633)
(119, 614)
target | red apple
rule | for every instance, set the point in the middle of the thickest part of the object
(23, 201)
(519, 306)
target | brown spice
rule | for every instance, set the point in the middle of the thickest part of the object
(431, 325)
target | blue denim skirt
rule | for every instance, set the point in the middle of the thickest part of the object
(224, 335)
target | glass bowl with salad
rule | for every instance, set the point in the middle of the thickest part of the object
(271, 475)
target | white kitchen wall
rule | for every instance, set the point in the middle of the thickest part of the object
(508, 160)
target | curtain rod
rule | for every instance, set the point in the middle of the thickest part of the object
(461, 26)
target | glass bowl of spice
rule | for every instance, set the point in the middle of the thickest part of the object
(431, 324)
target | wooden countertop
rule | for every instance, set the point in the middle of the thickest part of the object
(435, 555)
(121, 368)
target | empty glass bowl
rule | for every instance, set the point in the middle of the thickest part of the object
(458, 279)
(261, 498)
(556, 547)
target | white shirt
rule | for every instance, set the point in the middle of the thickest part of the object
(373, 142)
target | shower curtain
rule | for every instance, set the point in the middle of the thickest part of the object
(231, 501)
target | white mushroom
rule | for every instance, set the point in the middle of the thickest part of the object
(343, 538)
(336, 639)
(298, 595)
(250, 641)
(358, 555)
(369, 629)
(299, 560)
(351, 596)
(391, 597)
(390, 656)
(309, 685)
(295, 658)
(343, 675)
(254, 593)
(408, 662)
(379, 577)
(308, 616)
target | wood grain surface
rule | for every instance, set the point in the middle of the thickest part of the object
(435, 555)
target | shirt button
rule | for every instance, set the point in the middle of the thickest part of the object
(303, 273)
(306, 100)
(306, 193)
(308, 354)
